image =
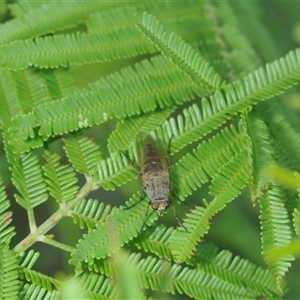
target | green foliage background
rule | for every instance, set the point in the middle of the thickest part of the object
(79, 80)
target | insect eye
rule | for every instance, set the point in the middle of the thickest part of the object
(155, 205)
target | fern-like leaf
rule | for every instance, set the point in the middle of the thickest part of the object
(225, 187)
(40, 280)
(235, 270)
(9, 277)
(61, 180)
(276, 231)
(296, 221)
(90, 212)
(38, 21)
(103, 102)
(114, 171)
(77, 48)
(6, 231)
(63, 116)
(195, 168)
(180, 53)
(97, 287)
(83, 153)
(196, 283)
(156, 242)
(32, 292)
(28, 178)
(262, 155)
(29, 259)
(124, 226)
(126, 129)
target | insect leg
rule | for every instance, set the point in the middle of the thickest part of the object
(176, 216)
(134, 204)
(174, 195)
(169, 151)
(145, 219)
(137, 168)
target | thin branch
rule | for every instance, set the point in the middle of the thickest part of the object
(63, 211)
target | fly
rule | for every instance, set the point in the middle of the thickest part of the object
(154, 171)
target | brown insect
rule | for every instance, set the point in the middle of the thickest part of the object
(154, 171)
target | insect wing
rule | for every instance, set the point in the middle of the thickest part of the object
(146, 142)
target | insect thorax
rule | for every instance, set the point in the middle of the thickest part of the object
(158, 191)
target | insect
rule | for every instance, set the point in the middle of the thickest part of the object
(154, 171)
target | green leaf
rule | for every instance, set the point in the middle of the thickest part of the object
(156, 242)
(275, 230)
(40, 280)
(83, 153)
(39, 22)
(126, 129)
(9, 276)
(90, 212)
(114, 171)
(194, 169)
(121, 226)
(6, 231)
(61, 180)
(28, 179)
(33, 292)
(180, 53)
(226, 185)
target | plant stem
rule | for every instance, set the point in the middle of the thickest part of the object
(65, 209)
(50, 241)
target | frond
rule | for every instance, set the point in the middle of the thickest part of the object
(61, 180)
(18, 9)
(40, 280)
(243, 57)
(236, 97)
(90, 212)
(235, 270)
(196, 283)
(23, 90)
(6, 231)
(28, 179)
(63, 116)
(97, 287)
(296, 221)
(262, 155)
(226, 185)
(285, 132)
(28, 260)
(179, 17)
(180, 53)
(73, 49)
(114, 171)
(104, 101)
(156, 242)
(39, 22)
(121, 226)
(194, 169)
(275, 230)
(9, 277)
(83, 153)
(10, 106)
(59, 83)
(32, 292)
(126, 129)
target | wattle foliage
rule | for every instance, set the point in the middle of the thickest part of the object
(79, 80)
